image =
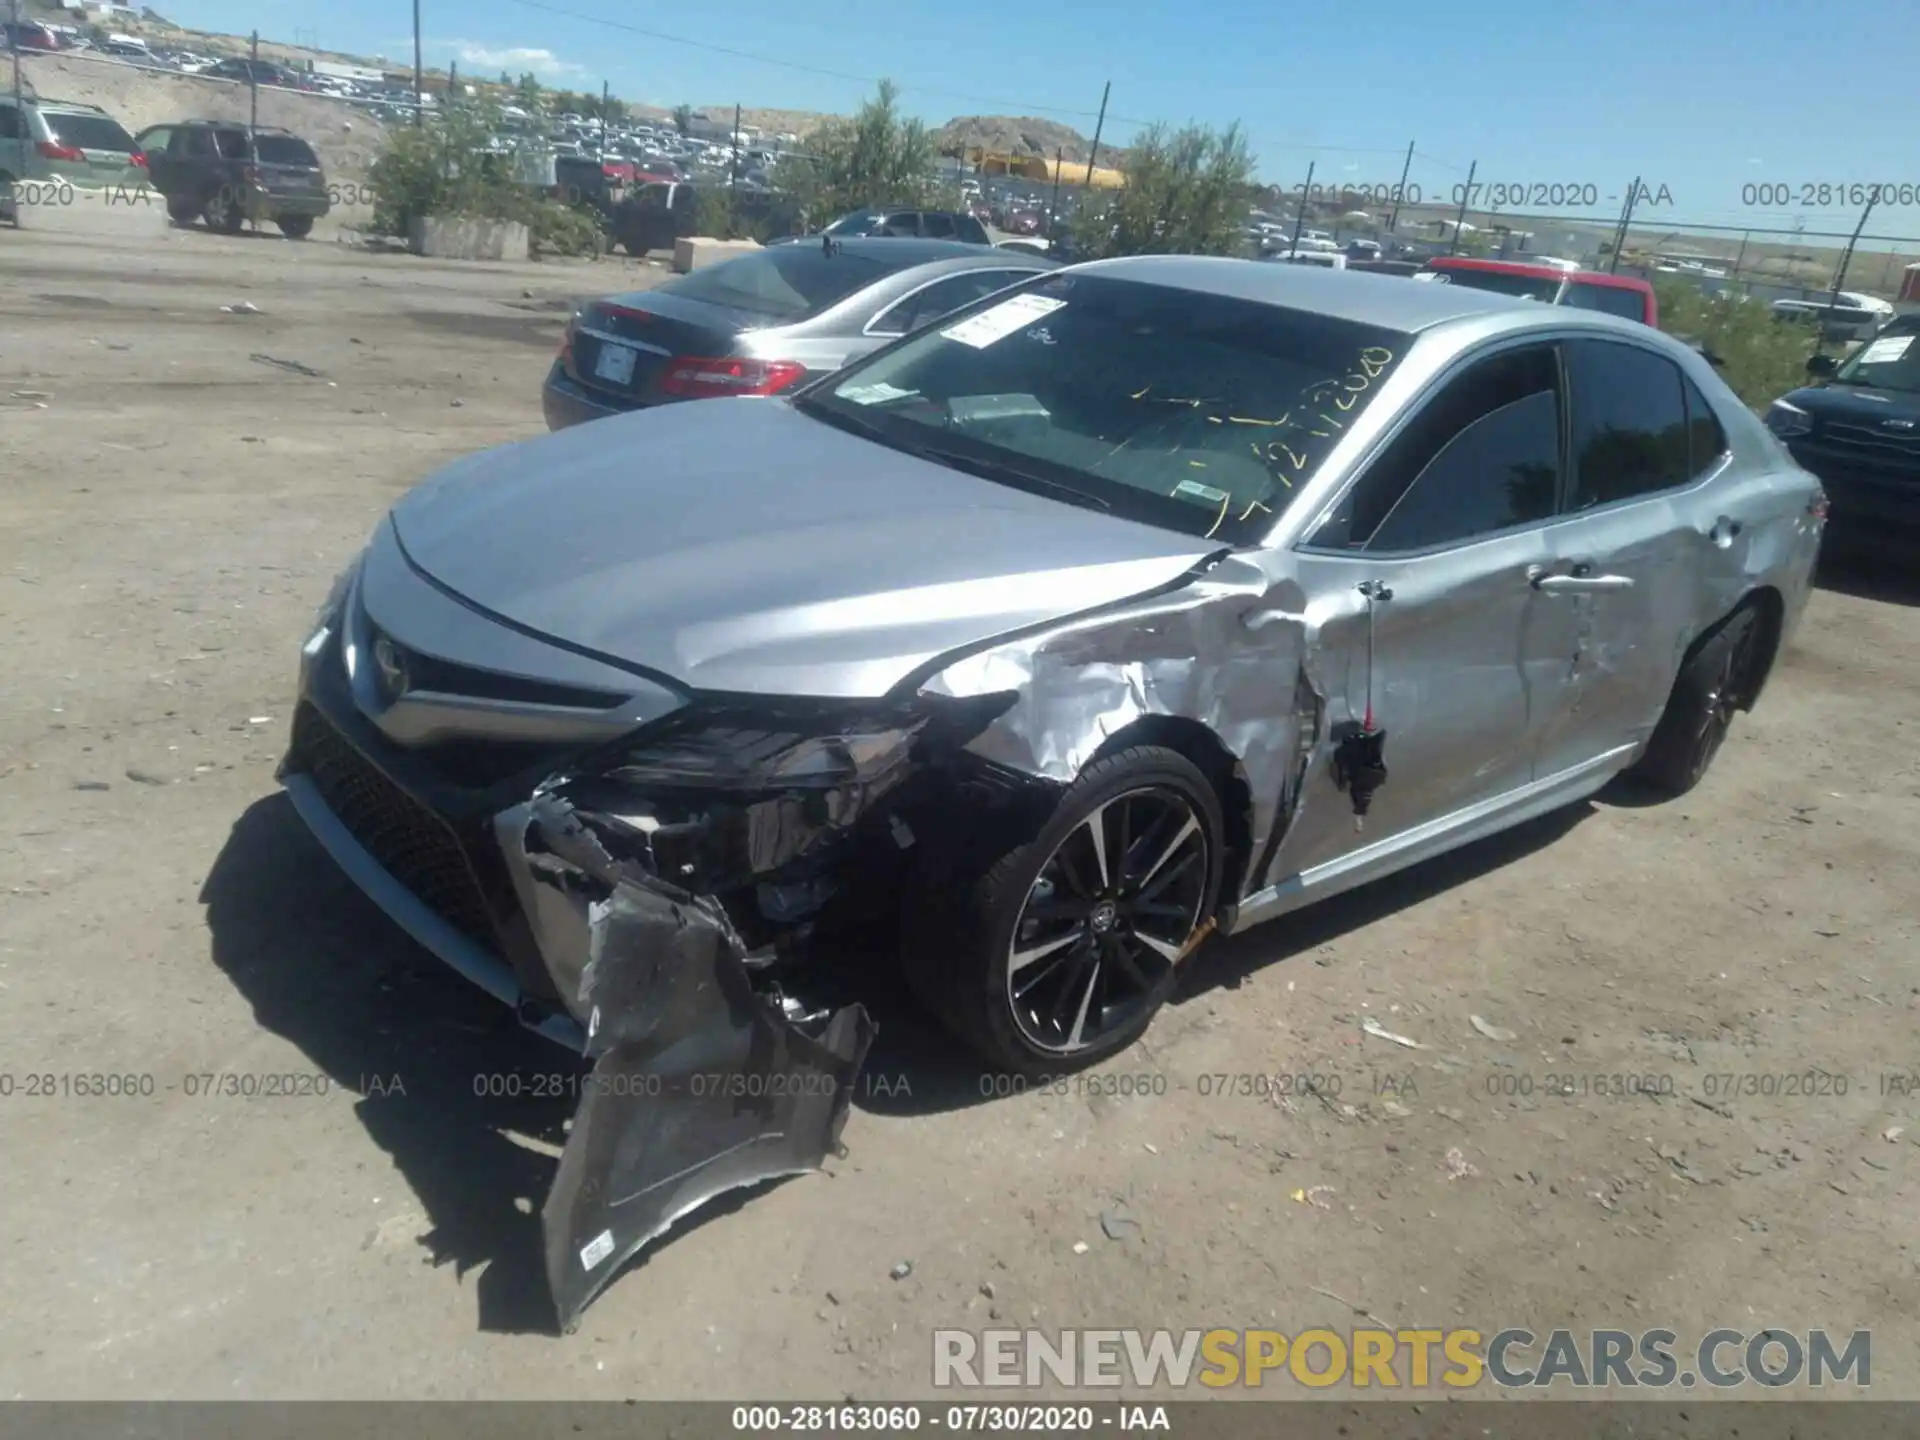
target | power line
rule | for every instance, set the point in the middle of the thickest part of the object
(998, 102)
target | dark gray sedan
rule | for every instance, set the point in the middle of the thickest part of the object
(763, 323)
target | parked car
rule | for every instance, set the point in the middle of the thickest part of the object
(1837, 320)
(1006, 631)
(257, 72)
(765, 322)
(1324, 259)
(27, 35)
(1625, 295)
(1858, 429)
(653, 216)
(1401, 268)
(212, 170)
(43, 139)
(908, 224)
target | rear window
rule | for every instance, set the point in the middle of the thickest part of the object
(855, 223)
(1608, 299)
(89, 132)
(284, 150)
(788, 281)
(1528, 287)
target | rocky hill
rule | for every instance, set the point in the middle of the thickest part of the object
(1016, 135)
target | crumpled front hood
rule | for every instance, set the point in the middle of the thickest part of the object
(737, 545)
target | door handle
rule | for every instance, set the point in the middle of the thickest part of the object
(1548, 584)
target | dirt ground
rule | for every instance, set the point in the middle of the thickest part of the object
(176, 500)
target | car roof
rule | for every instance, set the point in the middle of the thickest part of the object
(1542, 272)
(1388, 301)
(908, 250)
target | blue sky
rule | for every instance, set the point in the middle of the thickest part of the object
(1703, 99)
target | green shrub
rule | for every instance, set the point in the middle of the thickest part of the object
(556, 229)
(1762, 358)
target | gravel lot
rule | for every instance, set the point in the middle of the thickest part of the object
(175, 507)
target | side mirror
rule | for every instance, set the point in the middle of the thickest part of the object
(1822, 367)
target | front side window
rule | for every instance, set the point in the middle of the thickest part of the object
(1196, 412)
(1630, 435)
(1483, 456)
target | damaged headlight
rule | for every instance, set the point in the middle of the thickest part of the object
(1788, 421)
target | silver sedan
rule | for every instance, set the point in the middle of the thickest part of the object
(765, 322)
(1149, 599)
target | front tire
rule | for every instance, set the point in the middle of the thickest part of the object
(295, 227)
(223, 213)
(1055, 952)
(1714, 682)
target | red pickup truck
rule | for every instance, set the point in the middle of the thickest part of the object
(1584, 289)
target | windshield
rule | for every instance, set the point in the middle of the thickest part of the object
(1889, 361)
(1607, 299)
(91, 132)
(1501, 282)
(789, 281)
(1196, 412)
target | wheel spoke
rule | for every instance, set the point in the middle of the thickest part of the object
(1165, 949)
(1047, 970)
(1066, 907)
(1167, 877)
(1165, 912)
(1123, 957)
(1074, 1040)
(1096, 827)
(1021, 959)
(1192, 827)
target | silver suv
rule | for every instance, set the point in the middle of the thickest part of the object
(52, 142)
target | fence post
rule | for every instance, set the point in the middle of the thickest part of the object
(419, 104)
(1846, 256)
(733, 178)
(1466, 194)
(1300, 210)
(1393, 220)
(1626, 224)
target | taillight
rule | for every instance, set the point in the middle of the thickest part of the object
(1817, 507)
(693, 379)
(54, 150)
(138, 160)
(566, 338)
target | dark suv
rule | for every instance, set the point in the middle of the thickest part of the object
(258, 72)
(922, 224)
(214, 169)
(1859, 431)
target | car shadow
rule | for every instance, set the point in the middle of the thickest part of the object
(470, 1107)
(1225, 964)
(1867, 573)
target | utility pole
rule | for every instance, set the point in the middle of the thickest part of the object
(1098, 125)
(419, 102)
(605, 92)
(1745, 235)
(733, 177)
(1393, 220)
(1846, 256)
(1053, 209)
(1466, 194)
(1300, 211)
(1626, 226)
(18, 160)
(253, 93)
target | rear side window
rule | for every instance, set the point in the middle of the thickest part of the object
(787, 281)
(89, 132)
(284, 150)
(971, 230)
(9, 123)
(1608, 299)
(1482, 457)
(1630, 432)
(939, 227)
(1706, 440)
(232, 144)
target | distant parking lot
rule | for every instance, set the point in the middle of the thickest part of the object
(198, 430)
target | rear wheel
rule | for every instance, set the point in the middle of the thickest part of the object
(295, 227)
(1714, 682)
(181, 212)
(1057, 952)
(223, 212)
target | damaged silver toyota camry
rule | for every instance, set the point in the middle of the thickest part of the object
(1152, 598)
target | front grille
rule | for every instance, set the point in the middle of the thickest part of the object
(1886, 443)
(417, 847)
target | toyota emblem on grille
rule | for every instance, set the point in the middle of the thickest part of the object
(392, 668)
(1896, 424)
